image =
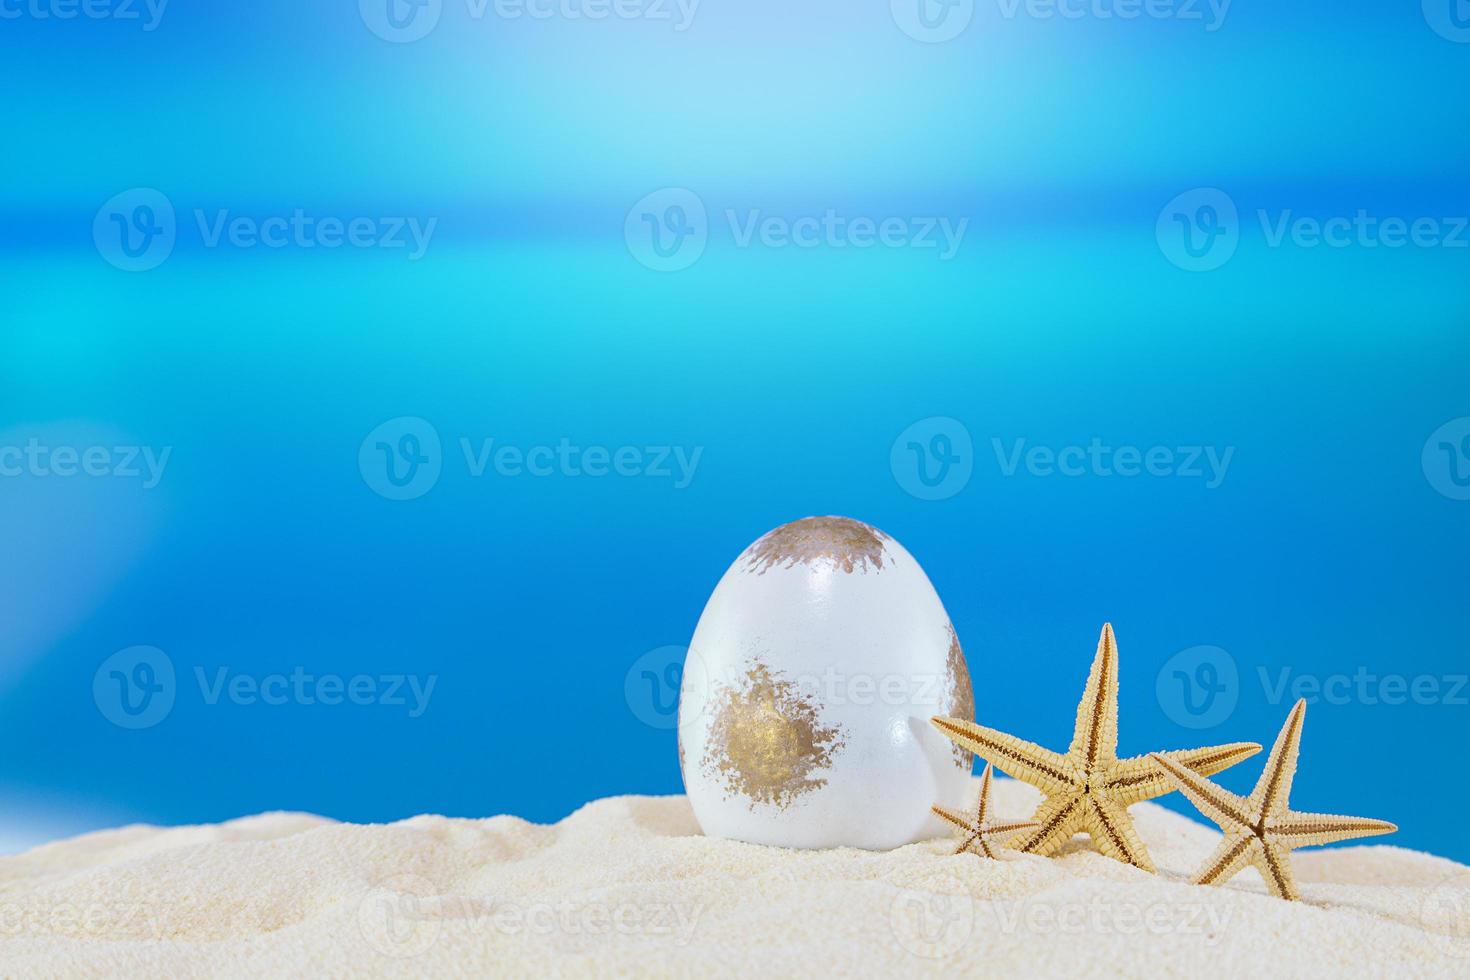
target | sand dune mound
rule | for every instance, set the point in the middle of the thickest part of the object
(629, 886)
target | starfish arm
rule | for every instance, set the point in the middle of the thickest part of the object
(1274, 863)
(1057, 820)
(1003, 829)
(1275, 783)
(1095, 739)
(952, 817)
(984, 803)
(1141, 778)
(1231, 812)
(1027, 761)
(1296, 829)
(1112, 831)
(1235, 853)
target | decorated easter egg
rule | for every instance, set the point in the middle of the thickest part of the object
(807, 692)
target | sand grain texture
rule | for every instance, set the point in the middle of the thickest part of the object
(627, 886)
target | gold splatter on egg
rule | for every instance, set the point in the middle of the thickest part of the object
(961, 700)
(846, 543)
(767, 741)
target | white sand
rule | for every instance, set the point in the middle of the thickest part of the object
(628, 886)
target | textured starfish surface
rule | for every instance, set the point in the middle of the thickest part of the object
(978, 835)
(1260, 830)
(1090, 789)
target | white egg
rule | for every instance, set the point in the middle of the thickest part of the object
(807, 693)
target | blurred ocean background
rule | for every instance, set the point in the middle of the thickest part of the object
(232, 469)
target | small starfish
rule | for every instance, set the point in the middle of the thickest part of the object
(980, 833)
(1260, 829)
(1089, 789)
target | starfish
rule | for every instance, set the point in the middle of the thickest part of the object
(1089, 789)
(1260, 830)
(980, 833)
